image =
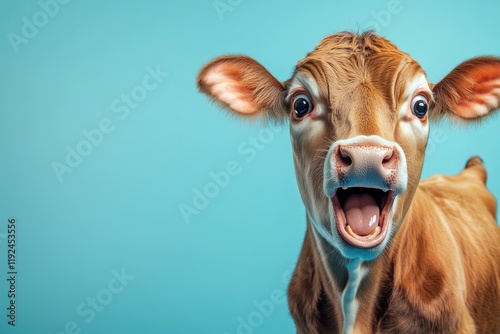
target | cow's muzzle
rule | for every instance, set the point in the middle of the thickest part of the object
(363, 177)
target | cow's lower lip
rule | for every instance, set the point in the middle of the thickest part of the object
(383, 198)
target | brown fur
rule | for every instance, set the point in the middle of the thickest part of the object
(440, 272)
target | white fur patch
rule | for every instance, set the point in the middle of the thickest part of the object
(349, 303)
(310, 126)
(301, 80)
(492, 99)
(419, 82)
(411, 125)
(227, 90)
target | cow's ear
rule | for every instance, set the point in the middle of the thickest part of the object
(242, 85)
(471, 91)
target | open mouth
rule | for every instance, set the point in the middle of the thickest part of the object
(362, 214)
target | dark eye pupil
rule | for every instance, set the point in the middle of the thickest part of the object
(301, 106)
(420, 108)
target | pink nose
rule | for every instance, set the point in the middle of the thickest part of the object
(366, 164)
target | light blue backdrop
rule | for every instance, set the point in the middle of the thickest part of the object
(104, 139)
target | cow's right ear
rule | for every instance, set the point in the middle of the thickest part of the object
(242, 85)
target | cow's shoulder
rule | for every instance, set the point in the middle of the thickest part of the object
(445, 260)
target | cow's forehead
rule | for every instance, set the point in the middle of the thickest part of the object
(341, 62)
(349, 44)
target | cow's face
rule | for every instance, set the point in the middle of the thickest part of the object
(358, 110)
(359, 127)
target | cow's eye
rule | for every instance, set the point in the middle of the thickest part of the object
(419, 106)
(302, 105)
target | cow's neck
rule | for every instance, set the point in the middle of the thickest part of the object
(351, 283)
(349, 302)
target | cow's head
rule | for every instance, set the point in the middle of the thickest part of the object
(359, 112)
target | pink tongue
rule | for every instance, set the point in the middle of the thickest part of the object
(362, 213)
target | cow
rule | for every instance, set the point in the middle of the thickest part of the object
(383, 252)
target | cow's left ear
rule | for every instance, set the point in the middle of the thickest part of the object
(470, 91)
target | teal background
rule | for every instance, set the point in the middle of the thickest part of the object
(119, 209)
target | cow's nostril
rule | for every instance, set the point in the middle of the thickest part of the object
(387, 158)
(389, 161)
(343, 158)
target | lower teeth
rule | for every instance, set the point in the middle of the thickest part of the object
(372, 235)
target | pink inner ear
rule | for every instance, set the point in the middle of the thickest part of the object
(479, 92)
(226, 84)
(484, 98)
